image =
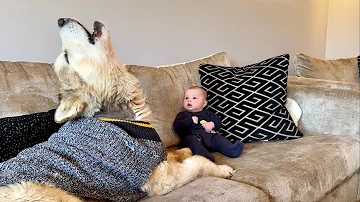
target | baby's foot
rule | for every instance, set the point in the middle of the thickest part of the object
(237, 148)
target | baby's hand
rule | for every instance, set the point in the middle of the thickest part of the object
(195, 119)
(208, 126)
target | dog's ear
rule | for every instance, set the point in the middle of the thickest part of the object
(69, 109)
(99, 29)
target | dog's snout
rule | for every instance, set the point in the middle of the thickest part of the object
(62, 21)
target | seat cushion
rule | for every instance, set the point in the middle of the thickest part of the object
(304, 169)
(212, 189)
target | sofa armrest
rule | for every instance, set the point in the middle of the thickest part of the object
(321, 83)
(327, 110)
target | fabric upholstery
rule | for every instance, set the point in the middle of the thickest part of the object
(343, 69)
(211, 189)
(250, 100)
(165, 87)
(327, 111)
(27, 87)
(322, 83)
(328, 108)
(342, 193)
(304, 169)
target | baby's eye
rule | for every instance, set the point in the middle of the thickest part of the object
(194, 97)
(186, 98)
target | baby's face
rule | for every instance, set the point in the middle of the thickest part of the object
(194, 100)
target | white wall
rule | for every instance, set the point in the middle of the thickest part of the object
(160, 32)
(343, 33)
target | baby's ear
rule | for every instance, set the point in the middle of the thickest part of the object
(205, 103)
(69, 109)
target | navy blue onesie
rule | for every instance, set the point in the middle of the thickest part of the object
(201, 142)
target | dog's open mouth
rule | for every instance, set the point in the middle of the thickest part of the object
(91, 37)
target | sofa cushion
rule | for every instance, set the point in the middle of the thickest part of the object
(346, 191)
(322, 83)
(165, 87)
(342, 69)
(331, 111)
(20, 132)
(250, 100)
(27, 87)
(304, 169)
(211, 189)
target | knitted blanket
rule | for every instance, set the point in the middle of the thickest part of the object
(105, 160)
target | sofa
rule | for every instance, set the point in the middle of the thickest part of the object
(323, 165)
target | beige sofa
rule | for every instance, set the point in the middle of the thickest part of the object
(321, 166)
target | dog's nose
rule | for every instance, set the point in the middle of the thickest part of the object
(62, 21)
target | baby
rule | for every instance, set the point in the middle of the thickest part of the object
(196, 127)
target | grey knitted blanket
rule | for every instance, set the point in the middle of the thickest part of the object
(91, 158)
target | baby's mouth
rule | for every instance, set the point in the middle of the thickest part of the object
(189, 105)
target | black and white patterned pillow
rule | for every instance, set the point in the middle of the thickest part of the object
(250, 100)
(358, 59)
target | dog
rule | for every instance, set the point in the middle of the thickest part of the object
(94, 87)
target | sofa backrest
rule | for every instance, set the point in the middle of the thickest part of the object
(30, 87)
(27, 87)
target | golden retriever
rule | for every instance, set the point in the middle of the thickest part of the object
(93, 82)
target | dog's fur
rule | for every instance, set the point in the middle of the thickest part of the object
(93, 81)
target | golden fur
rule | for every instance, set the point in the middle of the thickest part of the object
(93, 81)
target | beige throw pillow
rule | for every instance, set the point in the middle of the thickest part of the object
(343, 69)
(165, 86)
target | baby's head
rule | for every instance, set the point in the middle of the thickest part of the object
(195, 99)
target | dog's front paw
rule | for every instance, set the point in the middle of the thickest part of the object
(225, 171)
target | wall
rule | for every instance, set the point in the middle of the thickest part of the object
(160, 32)
(343, 33)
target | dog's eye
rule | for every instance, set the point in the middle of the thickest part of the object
(66, 57)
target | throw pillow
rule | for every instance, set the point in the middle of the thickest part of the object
(343, 69)
(294, 110)
(20, 132)
(358, 61)
(250, 100)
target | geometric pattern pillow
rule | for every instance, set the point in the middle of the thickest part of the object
(358, 60)
(20, 132)
(250, 100)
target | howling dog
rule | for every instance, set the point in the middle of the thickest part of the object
(98, 154)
